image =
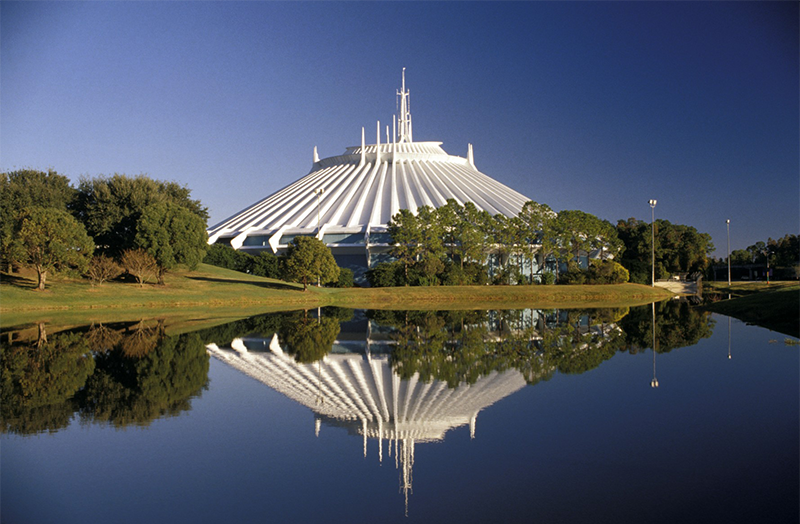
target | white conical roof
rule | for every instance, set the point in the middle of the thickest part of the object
(363, 188)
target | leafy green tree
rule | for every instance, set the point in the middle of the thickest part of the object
(309, 339)
(221, 255)
(138, 381)
(25, 188)
(309, 260)
(536, 223)
(346, 278)
(387, 274)
(111, 207)
(472, 234)
(39, 379)
(172, 235)
(48, 240)
(678, 249)
(267, 264)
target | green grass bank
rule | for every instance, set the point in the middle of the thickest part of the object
(775, 306)
(213, 291)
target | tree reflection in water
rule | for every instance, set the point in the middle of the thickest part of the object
(118, 374)
(125, 374)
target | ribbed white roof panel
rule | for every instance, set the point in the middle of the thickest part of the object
(358, 192)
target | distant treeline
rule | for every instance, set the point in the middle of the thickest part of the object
(781, 256)
(458, 245)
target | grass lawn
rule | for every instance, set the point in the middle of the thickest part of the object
(775, 306)
(212, 292)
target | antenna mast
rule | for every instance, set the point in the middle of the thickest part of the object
(404, 118)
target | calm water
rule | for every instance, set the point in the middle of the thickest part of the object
(514, 416)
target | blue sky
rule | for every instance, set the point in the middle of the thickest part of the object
(597, 106)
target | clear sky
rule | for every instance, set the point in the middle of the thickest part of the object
(597, 106)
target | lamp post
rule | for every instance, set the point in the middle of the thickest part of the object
(728, 224)
(319, 192)
(653, 240)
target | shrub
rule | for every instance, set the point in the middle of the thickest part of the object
(138, 263)
(267, 264)
(102, 268)
(387, 274)
(607, 272)
(346, 278)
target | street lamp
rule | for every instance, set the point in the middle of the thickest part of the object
(728, 223)
(319, 192)
(653, 240)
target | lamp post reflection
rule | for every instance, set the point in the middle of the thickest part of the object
(654, 382)
(729, 338)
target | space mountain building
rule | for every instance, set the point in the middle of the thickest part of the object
(348, 200)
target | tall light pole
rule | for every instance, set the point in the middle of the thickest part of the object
(653, 240)
(319, 192)
(728, 223)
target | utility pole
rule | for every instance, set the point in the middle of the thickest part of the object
(653, 240)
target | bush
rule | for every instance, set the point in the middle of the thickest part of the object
(573, 275)
(547, 278)
(345, 278)
(599, 272)
(139, 264)
(266, 264)
(102, 268)
(387, 274)
(607, 272)
(221, 255)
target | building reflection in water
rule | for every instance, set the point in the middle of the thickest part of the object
(360, 392)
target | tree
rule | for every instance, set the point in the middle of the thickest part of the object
(111, 207)
(309, 260)
(102, 268)
(536, 221)
(309, 339)
(27, 188)
(48, 239)
(172, 235)
(38, 379)
(138, 263)
(405, 230)
(678, 249)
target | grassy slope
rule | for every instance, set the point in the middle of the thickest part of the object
(230, 293)
(775, 306)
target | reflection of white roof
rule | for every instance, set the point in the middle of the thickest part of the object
(364, 187)
(363, 394)
(365, 391)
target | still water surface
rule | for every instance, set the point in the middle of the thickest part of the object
(362, 416)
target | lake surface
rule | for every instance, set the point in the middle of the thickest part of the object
(364, 416)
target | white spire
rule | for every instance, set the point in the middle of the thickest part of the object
(316, 155)
(363, 149)
(470, 155)
(378, 145)
(404, 118)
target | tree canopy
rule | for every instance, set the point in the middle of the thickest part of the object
(678, 249)
(26, 188)
(309, 260)
(111, 207)
(48, 239)
(172, 235)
